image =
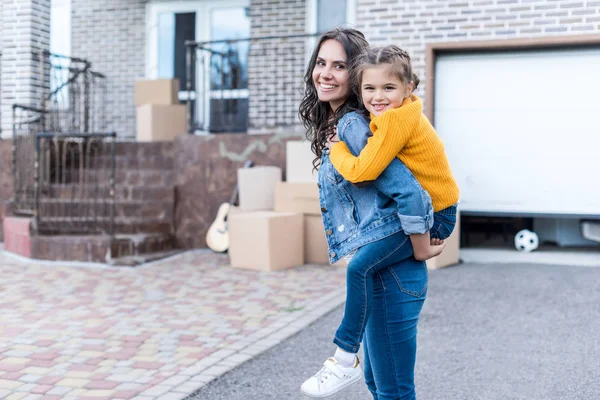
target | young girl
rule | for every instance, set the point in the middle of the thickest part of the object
(385, 79)
(386, 286)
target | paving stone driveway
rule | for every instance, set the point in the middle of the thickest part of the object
(155, 332)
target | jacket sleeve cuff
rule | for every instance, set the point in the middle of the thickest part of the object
(416, 224)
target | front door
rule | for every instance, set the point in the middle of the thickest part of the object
(220, 74)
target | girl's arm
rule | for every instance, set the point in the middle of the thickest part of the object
(396, 181)
(381, 148)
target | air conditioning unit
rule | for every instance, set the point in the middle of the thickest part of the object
(591, 230)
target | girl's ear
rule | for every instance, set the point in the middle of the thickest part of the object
(410, 88)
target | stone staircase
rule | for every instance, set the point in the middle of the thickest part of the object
(143, 219)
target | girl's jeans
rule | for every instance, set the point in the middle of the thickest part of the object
(367, 261)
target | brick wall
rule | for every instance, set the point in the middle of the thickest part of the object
(118, 50)
(275, 70)
(25, 26)
(276, 67)
(112, 35)
(412, 24)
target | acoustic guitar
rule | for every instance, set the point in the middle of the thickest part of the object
(217, 237)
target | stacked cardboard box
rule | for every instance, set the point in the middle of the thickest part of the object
(298, 163)
(278, 224)
(159, 115)
(300, 197)
(259, 237)
(265, 240)
(300, 194)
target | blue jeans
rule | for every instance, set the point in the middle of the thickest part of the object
(443, 223)
(370, 259)
(390, 342)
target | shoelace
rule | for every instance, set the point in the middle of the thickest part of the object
(323, 375)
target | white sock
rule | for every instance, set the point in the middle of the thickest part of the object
(345, 358)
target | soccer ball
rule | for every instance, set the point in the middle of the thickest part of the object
(526, 241)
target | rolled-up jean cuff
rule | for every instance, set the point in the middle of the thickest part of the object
(415, 225)
(345, 346)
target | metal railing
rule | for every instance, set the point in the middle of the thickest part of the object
(26, 121)
(74, 182)
(73, 95)
(240, 84)
(63, 169)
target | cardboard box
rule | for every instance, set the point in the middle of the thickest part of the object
(157, 91)
(266, 240)
(315, 243)
(451, 254)
(257, 187)
(160, 122)
(297, 197)
(298, 162)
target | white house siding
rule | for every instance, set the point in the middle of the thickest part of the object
(24, 29)
(412, 24)
(112, 35)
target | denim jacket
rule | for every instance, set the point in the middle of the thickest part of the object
(355, 216)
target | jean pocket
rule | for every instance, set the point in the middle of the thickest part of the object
(411, 277)
(440, 231)
(443, 225)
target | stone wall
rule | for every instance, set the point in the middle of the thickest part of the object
(202, 171)
(206, 173)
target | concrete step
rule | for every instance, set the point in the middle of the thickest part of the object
(122, 192)
(143, 243)
(120, 250)
(122, 225)
(132, 261)
(90, 208)
(128, 225)
(126, 176)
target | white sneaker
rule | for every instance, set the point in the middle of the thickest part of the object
(331, 379)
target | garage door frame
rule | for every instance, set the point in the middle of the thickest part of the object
(545, 43)
(433, 50)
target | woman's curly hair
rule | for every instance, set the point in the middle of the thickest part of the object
(317, 116)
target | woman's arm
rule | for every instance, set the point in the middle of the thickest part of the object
(380, 150)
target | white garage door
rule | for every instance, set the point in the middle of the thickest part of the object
(522, 130)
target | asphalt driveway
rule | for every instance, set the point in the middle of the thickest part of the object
(487, 332)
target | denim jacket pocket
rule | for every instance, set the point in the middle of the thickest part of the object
(412, 282)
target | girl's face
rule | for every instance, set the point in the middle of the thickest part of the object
(381, 89)
(330, 75)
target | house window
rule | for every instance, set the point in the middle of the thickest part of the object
(219, 79)
(331, 13)
(324, 15)
(60, 43)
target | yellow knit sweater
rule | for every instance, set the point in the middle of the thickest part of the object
(406, 133)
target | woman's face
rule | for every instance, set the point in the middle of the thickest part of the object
(330, 74)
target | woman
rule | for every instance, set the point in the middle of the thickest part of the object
(362, 224)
